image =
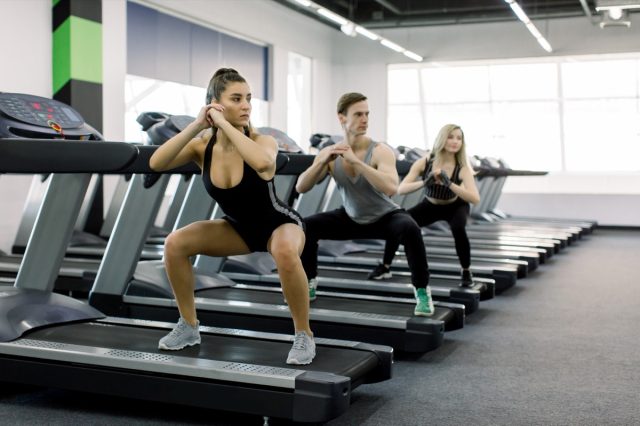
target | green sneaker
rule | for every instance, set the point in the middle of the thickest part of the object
(424, 304)
(313, 284)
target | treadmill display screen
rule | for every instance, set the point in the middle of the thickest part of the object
(39, 111)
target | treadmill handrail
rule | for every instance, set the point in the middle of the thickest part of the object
(31, 156)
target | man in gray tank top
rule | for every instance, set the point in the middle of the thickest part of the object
(366, 176)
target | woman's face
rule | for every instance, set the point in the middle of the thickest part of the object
(236, 100)
(454, 141)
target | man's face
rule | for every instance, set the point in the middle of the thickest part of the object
(356, 120)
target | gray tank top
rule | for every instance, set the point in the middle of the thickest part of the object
(362, 201)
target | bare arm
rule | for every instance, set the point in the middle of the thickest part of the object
(383, 174)
(412, 181)
(179, 150)
(260, 154)
(467, 190)
(319, 169)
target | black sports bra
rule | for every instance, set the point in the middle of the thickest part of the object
(437, 191)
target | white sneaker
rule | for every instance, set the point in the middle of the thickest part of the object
(303, 350)
(182, 335)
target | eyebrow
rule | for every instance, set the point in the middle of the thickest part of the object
(239, 94)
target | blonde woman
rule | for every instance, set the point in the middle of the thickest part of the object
(449, 186)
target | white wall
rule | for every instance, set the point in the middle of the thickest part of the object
(362, 64)
(25, 27)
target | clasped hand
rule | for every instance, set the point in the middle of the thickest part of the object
(210, 115)
(438, 176)
(341, 149)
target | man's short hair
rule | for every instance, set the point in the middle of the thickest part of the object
(349, 99)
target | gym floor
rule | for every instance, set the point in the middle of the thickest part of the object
(559, 348)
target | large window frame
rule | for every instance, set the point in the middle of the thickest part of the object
(487, 113)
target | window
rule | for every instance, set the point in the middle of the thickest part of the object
(146, 94)
(299, 99)
(601, 115)
(559, 114)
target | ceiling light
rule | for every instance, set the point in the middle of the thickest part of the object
(351, 29)
(527, 22)
(615, 13)
(368, 34)
(518, 11)
(414, 56)
(332, 16)
(391, 45)
(545, 44)
(622, 21)
(617, 4)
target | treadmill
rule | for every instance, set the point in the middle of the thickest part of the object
(74, 277)
(335, 257)
(259, 269)
(146, 292)
(123, 288)
(52, 340)
(501, 171)
(341, 253)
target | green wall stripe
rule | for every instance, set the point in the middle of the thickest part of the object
(86, 50)
(61, 55)
(77, 52)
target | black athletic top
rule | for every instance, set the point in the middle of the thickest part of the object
(441, 192)
(252, 203)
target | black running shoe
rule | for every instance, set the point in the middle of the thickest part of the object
(381, 272)
(466, 278)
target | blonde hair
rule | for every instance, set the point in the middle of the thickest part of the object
(441, 140)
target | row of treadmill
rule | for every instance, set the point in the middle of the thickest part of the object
(84, 310)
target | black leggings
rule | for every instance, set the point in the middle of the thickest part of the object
(337, 225)
(426, 213)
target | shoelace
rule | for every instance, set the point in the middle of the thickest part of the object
(300, 343)
(179, 329)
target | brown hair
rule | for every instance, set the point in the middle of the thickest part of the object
(219, 81)
(349, 99)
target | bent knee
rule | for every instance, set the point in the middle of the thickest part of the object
(406, 225)
(175, 246)
(286, 256)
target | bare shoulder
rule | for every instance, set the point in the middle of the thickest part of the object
(421, 164)
(383, 151)
(264, 140)
(198, 144)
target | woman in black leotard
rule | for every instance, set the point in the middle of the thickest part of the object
(238, 166)
(449, 188)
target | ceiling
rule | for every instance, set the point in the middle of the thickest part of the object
(376, 14)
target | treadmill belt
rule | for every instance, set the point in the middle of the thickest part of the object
(353, 275)
(342, 361)
(335, 303)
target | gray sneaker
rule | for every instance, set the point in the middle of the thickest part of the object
(303, 350)
(182, 335)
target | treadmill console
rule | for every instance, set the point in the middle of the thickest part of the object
(35, 117)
